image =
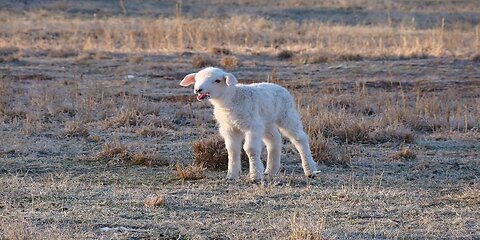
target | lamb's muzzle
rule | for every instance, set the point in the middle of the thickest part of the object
(254, 113)
(202, 96)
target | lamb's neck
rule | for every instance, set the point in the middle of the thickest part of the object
(226, 101)
(220, 104)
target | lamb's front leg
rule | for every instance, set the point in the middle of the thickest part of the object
(233, 143)
(253, 148)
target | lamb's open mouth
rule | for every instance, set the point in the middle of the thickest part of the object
(202, 96)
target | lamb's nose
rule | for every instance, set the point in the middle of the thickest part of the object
(198, 90)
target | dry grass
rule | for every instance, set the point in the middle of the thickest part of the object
(404, 154)
(9, 54)
(155, 201)
(201, 61)
(65, 75)
(229, 63)
(152, 131)
(75, 129)
(116, 152)
(211, 153)
(148, 158)
(302, 229)
(285, 54)
(136, 59)
(19, 228)
(62, 53)
(125, 34)
(6, 93)
(468, 196)
(476, 58)
(189, 172)
(220, 51)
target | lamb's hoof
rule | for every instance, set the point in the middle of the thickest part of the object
(312, 174)
(256, 181)
(231, 176)
(271, 173)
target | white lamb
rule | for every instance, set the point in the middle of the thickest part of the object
(252, 112)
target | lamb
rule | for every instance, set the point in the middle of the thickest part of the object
(253, 113)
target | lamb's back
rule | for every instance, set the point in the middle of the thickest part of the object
(271, 101)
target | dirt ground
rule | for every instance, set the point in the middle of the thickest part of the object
(53, 186)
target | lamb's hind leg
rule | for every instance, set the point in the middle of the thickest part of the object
(273, 141)
(253, 148)
(293, 129)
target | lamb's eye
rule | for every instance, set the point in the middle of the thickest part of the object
(217, 81)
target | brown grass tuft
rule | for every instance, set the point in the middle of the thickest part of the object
(212, 154)
(201, 61)
(16, 226)
(328, 153)
(468, 196)
(404, 154)
(135, 59)
(285, 55)
(229, 63)
(9, 54)
(34, 77)
(190, 172)
(6, 93)
(117, 152)
(95, 138)
(62, 53)
(151, 131)
(350, 57)
(148, 159)
(305, 230)
(114, 152)
(300, 233)
(476, 58)
(123, 119)
(6, 51)
(155, 201)
(395, 133)
(315, 58)
(221, 51)
(74, 129)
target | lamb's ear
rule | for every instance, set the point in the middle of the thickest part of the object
(188, 80)
(230, 79)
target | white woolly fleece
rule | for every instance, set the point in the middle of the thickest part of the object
(254, 113)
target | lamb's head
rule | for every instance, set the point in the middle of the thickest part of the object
(210, 83)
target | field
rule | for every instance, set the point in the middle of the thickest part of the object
(99, 141)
